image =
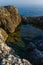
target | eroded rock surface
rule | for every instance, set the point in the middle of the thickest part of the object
(5, 35)
(9, 18)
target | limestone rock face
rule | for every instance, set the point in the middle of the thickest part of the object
(9, 18)
(3, 32)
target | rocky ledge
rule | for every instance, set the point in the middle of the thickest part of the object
(35, 21)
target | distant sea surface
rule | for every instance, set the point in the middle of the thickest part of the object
(31, 10)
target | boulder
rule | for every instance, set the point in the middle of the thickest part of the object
(9, 18)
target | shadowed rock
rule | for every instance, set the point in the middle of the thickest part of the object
(35, 21)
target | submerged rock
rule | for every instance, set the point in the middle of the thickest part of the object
(35, 56)
(33, 39)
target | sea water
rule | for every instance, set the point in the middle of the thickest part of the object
(31, 10)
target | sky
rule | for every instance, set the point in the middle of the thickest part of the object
(21, 2)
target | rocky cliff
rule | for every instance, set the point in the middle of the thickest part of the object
(23, 48)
